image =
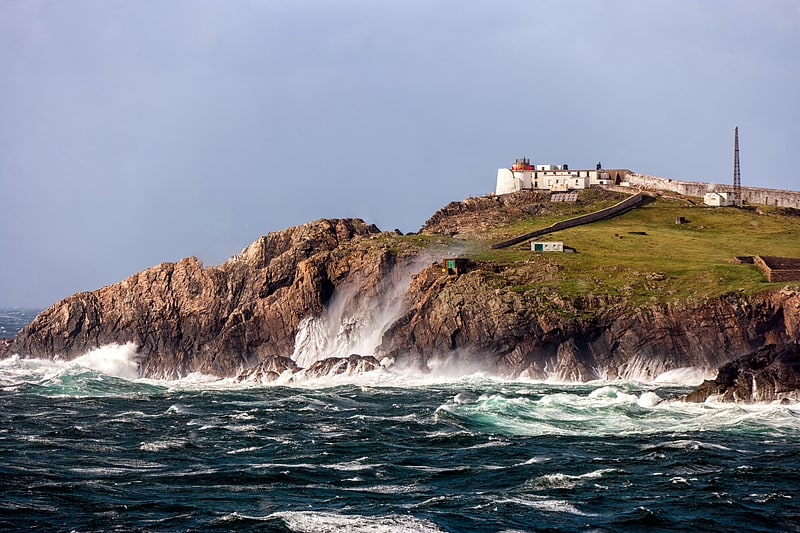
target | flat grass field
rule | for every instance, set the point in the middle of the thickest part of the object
(668, 262)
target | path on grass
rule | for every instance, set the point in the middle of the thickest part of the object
(625, 205)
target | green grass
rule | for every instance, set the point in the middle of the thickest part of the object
(670, 262)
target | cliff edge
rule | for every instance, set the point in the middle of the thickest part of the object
(340, 296)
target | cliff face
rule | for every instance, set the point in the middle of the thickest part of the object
(508, 333)
(342, 290)
(218, 320)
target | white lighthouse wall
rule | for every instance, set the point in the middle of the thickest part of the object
(523, 179)
(506, 183)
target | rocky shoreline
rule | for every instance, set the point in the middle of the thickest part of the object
(769, 374)
(301, 299)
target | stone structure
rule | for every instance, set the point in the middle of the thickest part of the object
(719, 199)
(778, 269)
(750, 195)
(554, 246)
(525, 176)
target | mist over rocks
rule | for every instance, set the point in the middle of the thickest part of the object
(341, 297)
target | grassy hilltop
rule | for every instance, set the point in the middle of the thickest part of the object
(668, 262)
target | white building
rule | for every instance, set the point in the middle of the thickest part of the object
(547, 246)
(524, 176)
(719, 199)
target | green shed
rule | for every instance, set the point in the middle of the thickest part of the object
(455, 266)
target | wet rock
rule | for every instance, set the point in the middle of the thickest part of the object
(218, 320)
(348, 366)
(771, 373)
(269, 369)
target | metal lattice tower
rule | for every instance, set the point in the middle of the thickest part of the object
(737, 177)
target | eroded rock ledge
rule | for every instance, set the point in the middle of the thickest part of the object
(218, 320)
(769, 374)
(242, 318)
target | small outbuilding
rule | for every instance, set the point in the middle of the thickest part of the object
(718, 199)
(455, 266)
(547, 246)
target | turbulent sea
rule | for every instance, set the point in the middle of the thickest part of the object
(86, 446)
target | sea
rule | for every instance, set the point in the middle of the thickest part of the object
(88, 446)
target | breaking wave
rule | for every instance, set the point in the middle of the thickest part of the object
(354, 321)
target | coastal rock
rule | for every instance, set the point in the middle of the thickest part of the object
(348, 366)
(312, 295)
(769, 374)
(268, 369)
(546, 337)
(5, 346)
(219, 320)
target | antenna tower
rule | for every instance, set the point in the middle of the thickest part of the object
(737, 177)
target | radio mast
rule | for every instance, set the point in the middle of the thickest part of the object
(737, 177)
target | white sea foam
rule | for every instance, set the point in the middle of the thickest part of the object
(563, 481)
(689, 376)
(117, 360)
(322, 522)
(159, 445)
(354, 321)
(649, 399)
(547, 505)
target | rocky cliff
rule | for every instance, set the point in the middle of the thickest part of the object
(771, 373)
(467, 322)
(243, 314)
(327, 296)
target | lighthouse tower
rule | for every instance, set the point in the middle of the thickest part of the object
(516, 178)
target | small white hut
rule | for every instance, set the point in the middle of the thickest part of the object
(718, 199)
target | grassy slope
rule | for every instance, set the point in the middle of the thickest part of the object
(670, 262)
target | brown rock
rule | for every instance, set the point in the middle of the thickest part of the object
(217, 320)
(768, 374)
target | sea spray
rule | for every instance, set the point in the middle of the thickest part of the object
(86, 451)
(355, 320)
(118, 360)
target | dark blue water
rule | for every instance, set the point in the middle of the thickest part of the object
(86, 451)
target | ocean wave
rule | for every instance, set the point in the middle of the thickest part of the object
(326, 522)
(546, 504)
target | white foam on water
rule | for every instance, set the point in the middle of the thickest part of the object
(324, 522)
(689, 376)
(649, 399)
(563, 481)
(547, 505)
(160, 445)
(118, 360)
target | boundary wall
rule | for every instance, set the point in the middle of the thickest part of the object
(614, 210)
(778, 269)
(750, 195)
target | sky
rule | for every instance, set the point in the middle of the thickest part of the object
(134, 132)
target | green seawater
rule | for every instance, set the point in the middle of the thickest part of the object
(100, 450)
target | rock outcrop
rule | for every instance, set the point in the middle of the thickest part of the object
(219, 320)
(469, 217)
(769, 374)
(547, 337)
(337, 296)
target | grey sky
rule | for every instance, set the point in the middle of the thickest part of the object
(135, 131)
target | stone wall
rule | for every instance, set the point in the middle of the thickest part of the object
(779, 269)
(750, 195)
(616, 209)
